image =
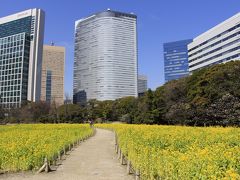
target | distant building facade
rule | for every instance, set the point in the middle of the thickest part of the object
(21, 42)
(68, 101)
(105, 58)
(176, 59)
(217, 45)
(142, 84)
(52, 90)
(80, 98)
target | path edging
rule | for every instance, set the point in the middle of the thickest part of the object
(46, 167)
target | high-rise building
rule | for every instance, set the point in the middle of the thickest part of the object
(176, 59)
(21, 41)
(105, 62)
(217, 45)
(142, 84)
(53, 74)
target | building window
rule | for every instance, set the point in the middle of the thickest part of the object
(48, 85)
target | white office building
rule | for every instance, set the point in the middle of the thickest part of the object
(21, 43)
(105, 59)
(217, 45)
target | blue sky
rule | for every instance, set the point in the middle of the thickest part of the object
(159, 21)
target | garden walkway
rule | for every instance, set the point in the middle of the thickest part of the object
(94, 159)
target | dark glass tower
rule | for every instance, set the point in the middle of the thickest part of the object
(176, 59)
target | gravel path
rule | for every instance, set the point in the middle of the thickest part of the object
(94, 159)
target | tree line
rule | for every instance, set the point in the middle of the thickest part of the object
(210, 96)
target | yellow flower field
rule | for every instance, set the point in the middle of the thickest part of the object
(24, 147)
(175, 152)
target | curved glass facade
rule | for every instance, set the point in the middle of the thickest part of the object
(105, 59)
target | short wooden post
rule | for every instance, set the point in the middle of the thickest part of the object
(119, 153)
(59, 155)
(55, 160)
(137, 175)
(128, 167)
(116, 148)
(122, 159)
(47, 168)
(64, 150)
(115, 138)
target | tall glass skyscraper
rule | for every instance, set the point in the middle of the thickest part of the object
(105, 59)
(21, 41)
(176, 59)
